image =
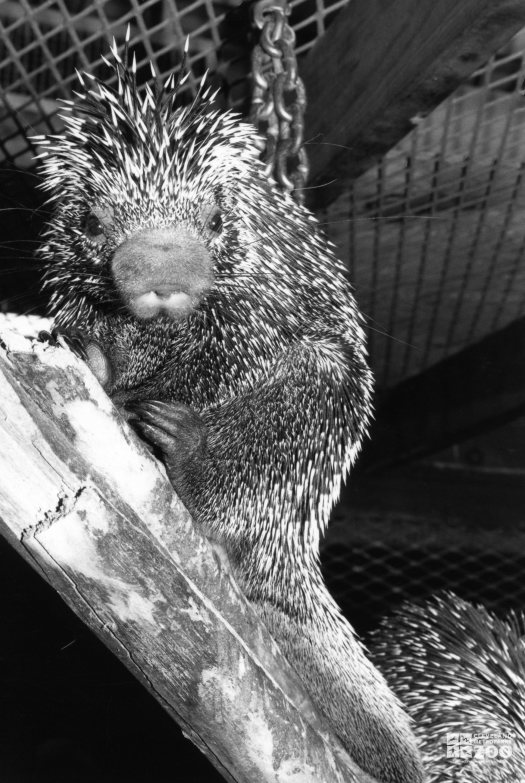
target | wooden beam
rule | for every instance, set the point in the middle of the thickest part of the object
(381, 66)
(476, 389)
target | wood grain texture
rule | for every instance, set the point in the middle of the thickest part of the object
(83, 501)
(381, 65)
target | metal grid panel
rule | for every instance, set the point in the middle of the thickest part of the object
(310, 20)
(435, 232)
(42, 43)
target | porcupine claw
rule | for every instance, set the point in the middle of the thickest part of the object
(73, 339)
(176, 430)
(180, 435)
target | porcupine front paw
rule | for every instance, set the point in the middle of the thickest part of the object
(69, 338)
(179, 435)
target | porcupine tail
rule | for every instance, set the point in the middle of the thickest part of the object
(346, 687)
(459, 669)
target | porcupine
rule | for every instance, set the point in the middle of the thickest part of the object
(458, 668)
(212, 307)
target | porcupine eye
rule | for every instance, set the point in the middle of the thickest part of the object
(92, 226)
(214, 221)
(96, 222)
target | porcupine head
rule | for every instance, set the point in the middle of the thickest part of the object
(212, 308)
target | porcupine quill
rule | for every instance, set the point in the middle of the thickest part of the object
(458, 669)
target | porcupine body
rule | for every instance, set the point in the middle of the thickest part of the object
(213, 308)
(458, 668)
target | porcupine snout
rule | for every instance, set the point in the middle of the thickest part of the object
(162, 271)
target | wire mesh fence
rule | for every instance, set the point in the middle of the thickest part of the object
(435, 232)
(43, 43)
(370, 580)
(453, 521)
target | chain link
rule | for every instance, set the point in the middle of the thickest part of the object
(279, 98)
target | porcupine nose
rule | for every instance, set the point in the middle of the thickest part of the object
(162, 271)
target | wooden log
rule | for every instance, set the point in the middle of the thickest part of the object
(383, 65)
(86, 504)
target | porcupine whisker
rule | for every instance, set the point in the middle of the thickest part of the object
(380, 218)
(226, 277)
(17, 242)
(255, 241)
(241, 297)
(79, 278)
(314, 187)
(370, 320)
(312, 143)
(22, 253)
(27, 309)
(218, 297)
(27, 173)
(14, 298)
(22, 208)
(233, 296)
(31, 310)
(395, 339)
(27, 264)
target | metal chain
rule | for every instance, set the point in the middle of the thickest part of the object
(278, 97)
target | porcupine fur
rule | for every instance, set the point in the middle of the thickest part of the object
(224, 320)
(458, 668)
